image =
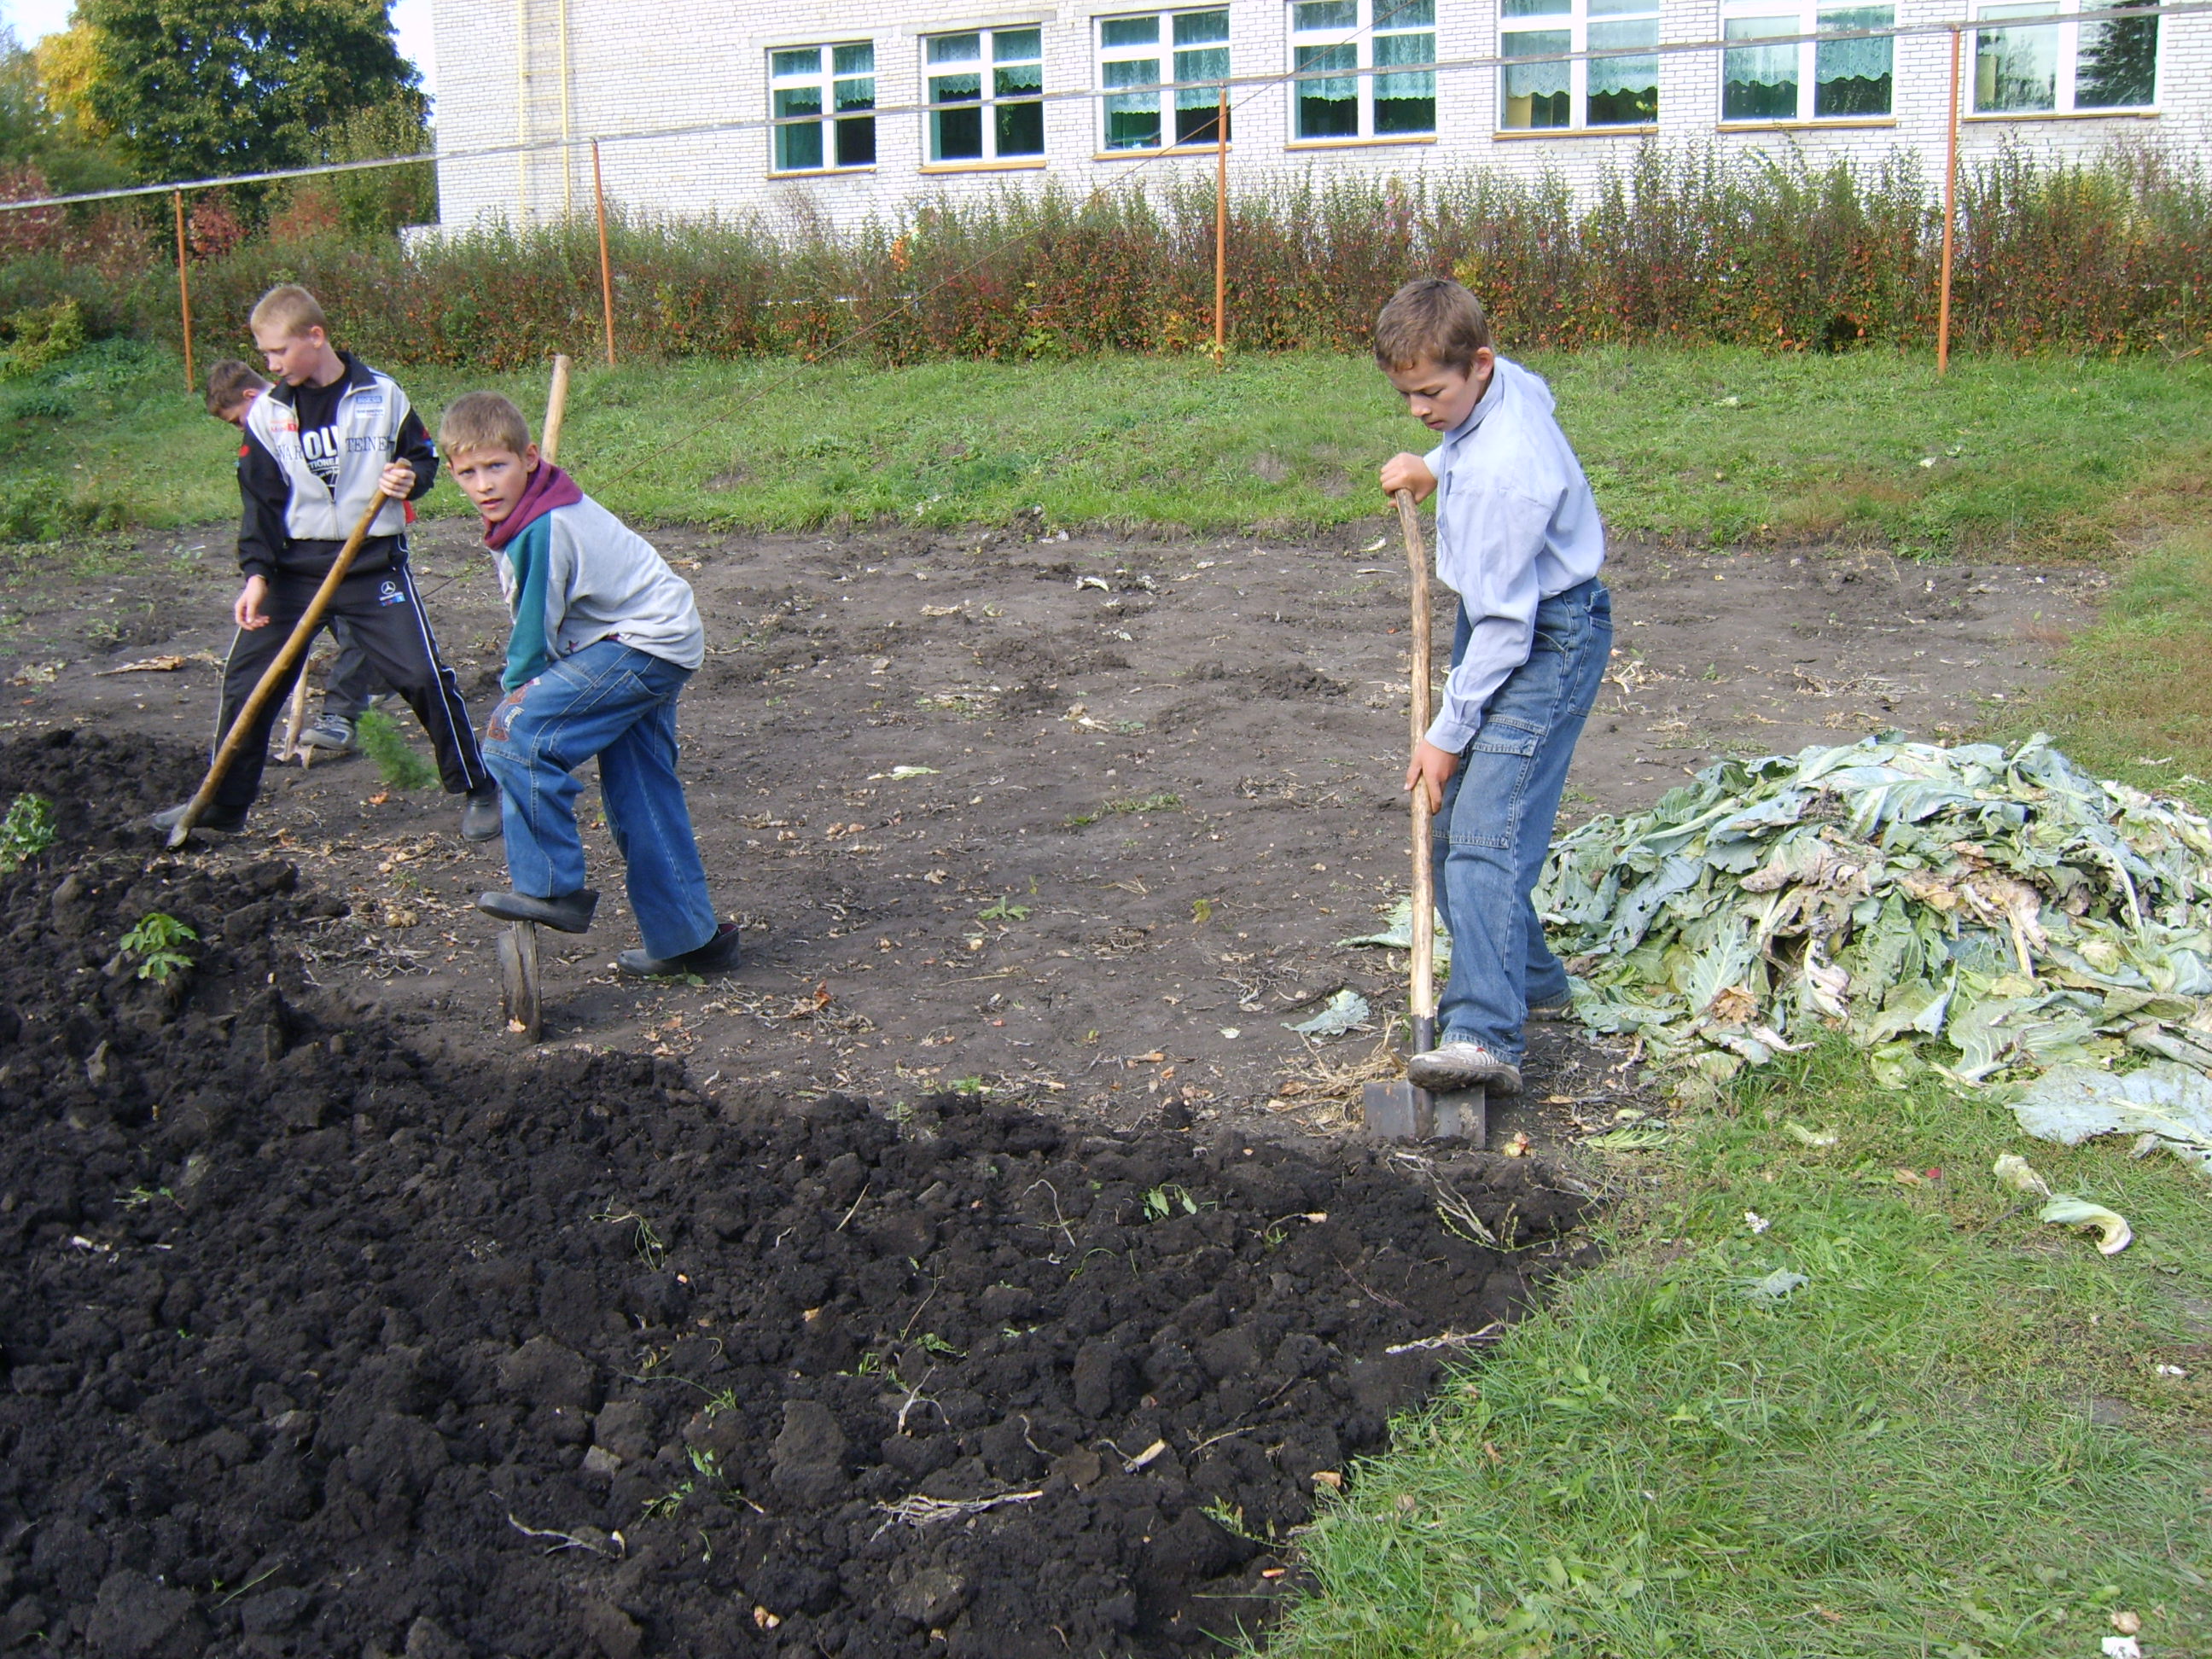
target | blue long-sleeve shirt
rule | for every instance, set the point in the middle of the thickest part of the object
(1516, 524)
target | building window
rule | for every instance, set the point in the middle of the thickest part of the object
(1193, 46)
(2045, 61)
(1619, 87)
(821, 97)
(1329, 49)
(987, 87)
(1817, 80)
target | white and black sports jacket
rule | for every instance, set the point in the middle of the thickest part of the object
(304, 491)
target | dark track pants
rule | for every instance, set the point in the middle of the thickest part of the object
(385, 616)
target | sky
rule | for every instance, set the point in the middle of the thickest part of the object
(32, 18)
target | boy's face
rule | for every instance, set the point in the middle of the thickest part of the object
(1440, 397)
(292, 357)
(492, 479)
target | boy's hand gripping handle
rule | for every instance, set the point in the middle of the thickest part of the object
(1422, 1003)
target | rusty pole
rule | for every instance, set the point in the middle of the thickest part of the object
(183, 291)
(1950, 219)
(1221, 229)
(606, 269)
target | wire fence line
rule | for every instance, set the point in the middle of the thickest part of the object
(1251, 82)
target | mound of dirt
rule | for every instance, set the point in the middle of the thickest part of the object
(316, 1345)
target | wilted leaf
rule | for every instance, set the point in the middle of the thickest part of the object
(2017, 1174)
(1345, 1011)
(2114, 1235)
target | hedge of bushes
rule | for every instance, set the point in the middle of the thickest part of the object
(2114, 255)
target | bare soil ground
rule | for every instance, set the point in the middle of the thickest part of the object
(1148, 784)
(336, 1324)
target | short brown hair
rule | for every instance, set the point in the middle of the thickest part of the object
(230, 382)
(482, 420)
(291, 307)
(1432, 320)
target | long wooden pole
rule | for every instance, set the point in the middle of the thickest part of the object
(606, 268)
(1423, 931)
(556, 409)
(1221, 229)
(183, 291)
(1950, 219)
(287, 661)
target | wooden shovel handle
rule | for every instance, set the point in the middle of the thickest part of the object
(303, 634)
(1423, 999)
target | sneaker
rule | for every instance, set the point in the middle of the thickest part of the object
(216, 820)
(719, 955)
(1460, 1063)
(570, 914)
(331, 732)
(480, 818)
(1555, 1013)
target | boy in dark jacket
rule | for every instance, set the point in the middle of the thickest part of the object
(329, 437)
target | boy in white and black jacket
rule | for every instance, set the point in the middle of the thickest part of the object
(331, 435)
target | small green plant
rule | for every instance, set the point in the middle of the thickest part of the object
(969, 1086)
(1202, 911)
(1164, 801)
(398, 764)
(644, 1240)
(25, 832)
(155, 941)
(933, 1343)
(1161, 1202)
(1004, 910)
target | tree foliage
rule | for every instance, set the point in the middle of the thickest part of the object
(202, 87)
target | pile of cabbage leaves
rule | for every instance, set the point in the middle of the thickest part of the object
(1991, 915)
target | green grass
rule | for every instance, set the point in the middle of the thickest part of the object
(2134, 701)
(2041, 454)
(1898, 1459)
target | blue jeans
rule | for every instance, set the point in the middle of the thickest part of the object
(1496, 826)
(618, 703)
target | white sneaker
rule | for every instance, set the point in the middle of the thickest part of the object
(1463, 1065)
(330, 731)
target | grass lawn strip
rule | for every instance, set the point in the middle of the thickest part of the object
(1953, 1438)
(2034, 455)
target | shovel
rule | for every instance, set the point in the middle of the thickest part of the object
(520, 1004)
(287, 662)
(1397, 1110)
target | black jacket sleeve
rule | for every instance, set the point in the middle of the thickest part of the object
(267, 495)
(414, 447)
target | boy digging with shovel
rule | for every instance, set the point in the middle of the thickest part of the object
(1519, 540)
(605, 637)
(332, 436)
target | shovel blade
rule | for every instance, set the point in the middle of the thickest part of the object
(1399, 1111)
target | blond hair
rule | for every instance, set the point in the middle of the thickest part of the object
(291, 307)
(1431, 320)
(482, 420)
(229, 382)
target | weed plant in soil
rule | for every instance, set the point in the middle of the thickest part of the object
(1955, 1437)
(316, 1344)
(2037, 455)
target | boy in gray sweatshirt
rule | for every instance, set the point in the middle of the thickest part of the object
(606, 636)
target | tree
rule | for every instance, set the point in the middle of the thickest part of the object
(205, 86)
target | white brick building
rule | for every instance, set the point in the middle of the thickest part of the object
(838, 109)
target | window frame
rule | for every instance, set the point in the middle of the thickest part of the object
(830, 124)
(2062, 18)
(1366, 71)
(1576, 21)
(1163, 50)
(990, 102)
(1804, 18)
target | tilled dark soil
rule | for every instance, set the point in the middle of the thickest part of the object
(313, 1344)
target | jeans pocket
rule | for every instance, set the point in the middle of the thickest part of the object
(1504, 735)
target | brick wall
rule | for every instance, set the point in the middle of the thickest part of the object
(636, 66)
